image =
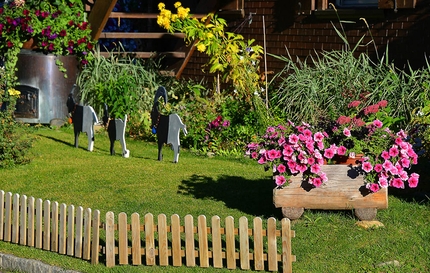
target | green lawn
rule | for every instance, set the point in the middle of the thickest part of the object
(326, 241)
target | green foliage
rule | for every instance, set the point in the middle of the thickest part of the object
(420, 130)
(324, 84)
(236, 59)
(15, 141)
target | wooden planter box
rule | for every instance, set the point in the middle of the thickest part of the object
(344, 190)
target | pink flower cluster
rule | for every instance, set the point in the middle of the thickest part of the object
(389, 169)
(290, 151)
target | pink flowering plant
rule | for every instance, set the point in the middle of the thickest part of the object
(56, 26)
(292, 150)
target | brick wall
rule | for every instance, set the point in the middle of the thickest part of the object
(407, 32)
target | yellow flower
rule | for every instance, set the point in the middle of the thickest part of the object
(161, 6)
(201, 47)
(174, 17)
(166, 13)
(209, 35)
(178, 4)
(183, 12)
(13, 92)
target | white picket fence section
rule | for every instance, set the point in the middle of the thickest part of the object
(76, 232)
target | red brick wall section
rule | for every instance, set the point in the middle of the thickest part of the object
(407, 32)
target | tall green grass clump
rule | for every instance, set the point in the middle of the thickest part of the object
(324, 84)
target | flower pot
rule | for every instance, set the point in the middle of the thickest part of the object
(344, 190)
(44, 89)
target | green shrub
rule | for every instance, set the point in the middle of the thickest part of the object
(15, 141)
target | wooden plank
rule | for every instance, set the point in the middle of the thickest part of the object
(203, 241)
(8, 218)
(99, 15)
(122, 238)
(15, 219)
(244, 243)
(39, 231)
(62, 232)
(190, 257)
(79, 231)
(216, 242)
(147, 55)
(2, 210)
(272, 250)
(70, 230)
(95, 238)
(230, 243)
(46, 225)
(133, 15)
(54, 223)
(23, 221)
(163, 248)
(258, 244)
(149, 239)
(87, 235)
(30, 229)
(176, 240)
(110, 239)
(342, 191)
(287, 260)
(135, 239)
(140, 35)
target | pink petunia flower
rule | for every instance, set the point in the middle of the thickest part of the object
(373, 187)
(367, 167)
(341, 150)
(346, 132)
(281, 168)
(393, 151)
(378, 168)
(377, 123)
(316, 181)
(329, 153)
(315, 168)
(397, 183)
(293, 138)
(383, 182)
(385, 155)
(413, 180)
(280, 180)
(318, 137)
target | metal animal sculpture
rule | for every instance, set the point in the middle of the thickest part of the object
(167, 128)
(116, 131)
(83, 119)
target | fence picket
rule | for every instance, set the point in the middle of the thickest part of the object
(44, 225)
(136, 242)
(96, 238)
(54, 221)
(8, 218)
(216, 242)
(244, 243)
(110, 239)
(230, 243)
(39, 214)
(86, 248)
(258, 244)
(15, 218)
(23, 221)
(2, 209)
(287, 258)
(203, 241)
(176, 240)
(122, 238)
(78, 236)
(189, 241)
(30, 229)
(163, 247)
(149, 239)
(70, 230)
(62, 232)
(272, 246)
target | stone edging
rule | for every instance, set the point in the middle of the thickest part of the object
(10, 262)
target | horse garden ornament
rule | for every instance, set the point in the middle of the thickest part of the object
(116, 131)
(167, 128)
(83, 119)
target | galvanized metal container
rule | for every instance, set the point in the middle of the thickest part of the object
(44, 89)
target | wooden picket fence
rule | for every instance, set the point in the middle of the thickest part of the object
(76, 232)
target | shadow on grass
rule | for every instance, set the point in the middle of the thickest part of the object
(249, 196)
